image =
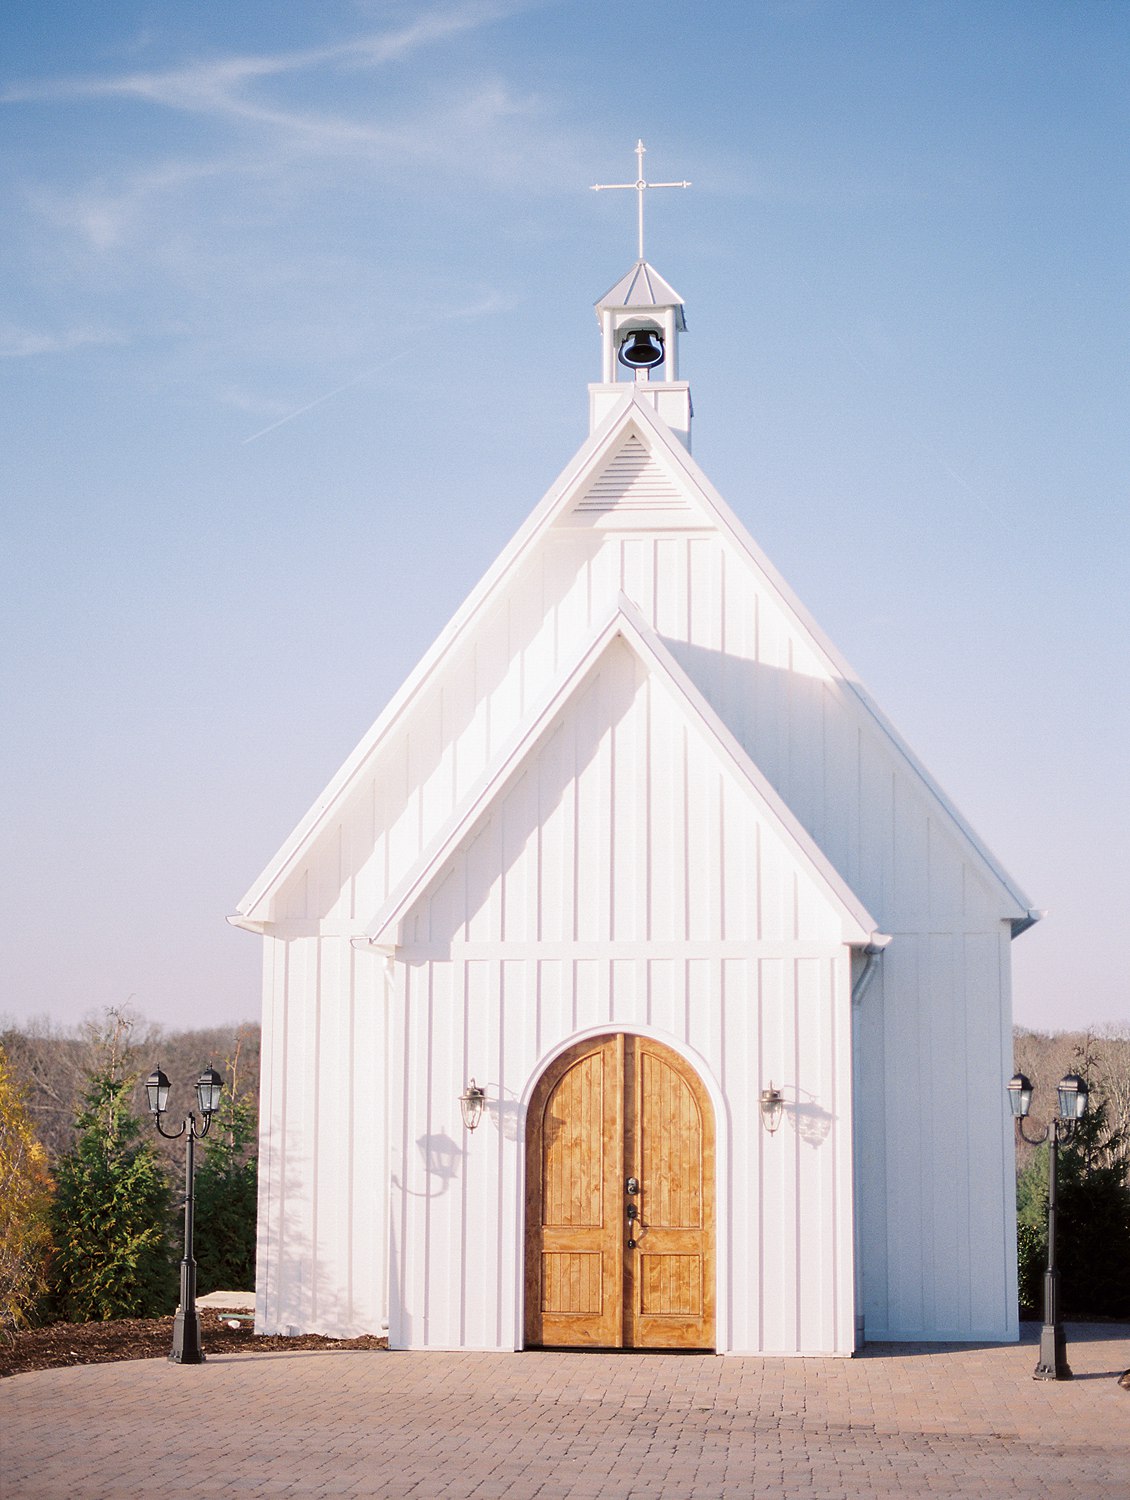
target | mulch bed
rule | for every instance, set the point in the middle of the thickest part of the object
(147, 1338)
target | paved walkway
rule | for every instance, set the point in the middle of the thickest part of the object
(923, 1420)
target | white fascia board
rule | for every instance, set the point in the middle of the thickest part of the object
(557, 499)
(842, 671)
(627, 624)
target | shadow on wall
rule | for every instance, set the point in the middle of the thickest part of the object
(769, 709)
(811, 1121)
(315, 1280)
(441, 1162)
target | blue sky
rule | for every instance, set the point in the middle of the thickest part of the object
(246, 247)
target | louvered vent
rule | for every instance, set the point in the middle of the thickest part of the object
(632, 481)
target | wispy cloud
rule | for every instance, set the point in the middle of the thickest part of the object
(23, 343)
(217, 86)
(264, 134)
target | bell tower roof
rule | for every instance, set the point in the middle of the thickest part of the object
(642, 287)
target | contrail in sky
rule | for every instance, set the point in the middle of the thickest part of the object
(310, 405)
(491, 303)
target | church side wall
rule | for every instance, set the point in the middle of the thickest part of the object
(935, 1180)
(322, 1261)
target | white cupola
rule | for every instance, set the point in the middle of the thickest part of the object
(640, 322)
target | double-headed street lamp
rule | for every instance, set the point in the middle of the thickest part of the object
(1072, 1093)
(186, 1348)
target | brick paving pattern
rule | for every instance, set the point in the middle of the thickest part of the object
(924, 1420)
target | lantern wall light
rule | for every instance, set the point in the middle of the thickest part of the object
(1072, 1095)
(471, 1102)
(772, 1108)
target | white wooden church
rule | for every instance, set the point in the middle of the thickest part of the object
(631, 849)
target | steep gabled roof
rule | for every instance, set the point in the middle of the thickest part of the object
(628, 625)
(633, 418)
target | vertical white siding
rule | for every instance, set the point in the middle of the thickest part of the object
(621, 834)
(530, 936)
(323, 1237)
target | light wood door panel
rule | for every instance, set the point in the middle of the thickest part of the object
(669, 1147)
(608, 1109)
(573, 1236)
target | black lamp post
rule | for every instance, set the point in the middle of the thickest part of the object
(186, 1348)
(1072, 1092)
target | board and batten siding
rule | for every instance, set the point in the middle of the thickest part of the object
(569, 912)
(323, 1225)
(936, 1020)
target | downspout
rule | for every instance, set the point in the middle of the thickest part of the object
(873, 952)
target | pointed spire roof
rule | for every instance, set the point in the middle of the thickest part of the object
(642, 286)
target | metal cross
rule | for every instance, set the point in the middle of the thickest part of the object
(638, 187)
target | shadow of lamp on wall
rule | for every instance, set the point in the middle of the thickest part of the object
(1072, 1092)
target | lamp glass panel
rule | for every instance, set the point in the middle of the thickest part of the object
(1072, 1097)
(209, 1087)
(471, 1104)
(157, 1088)
(1019, 1096)
(772, 1107)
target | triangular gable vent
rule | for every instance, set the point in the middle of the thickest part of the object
(632, 481)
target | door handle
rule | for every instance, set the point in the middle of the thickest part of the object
(633, 1215)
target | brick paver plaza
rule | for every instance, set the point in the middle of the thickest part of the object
(925, 1420)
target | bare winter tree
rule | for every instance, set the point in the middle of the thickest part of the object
(52, 1064)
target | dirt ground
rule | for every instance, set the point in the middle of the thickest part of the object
(146, 1338)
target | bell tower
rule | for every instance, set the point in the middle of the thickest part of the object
(641, 319)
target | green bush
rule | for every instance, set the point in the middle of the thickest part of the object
(226, 1188)
(1093, 1234)
(1031, 1254)
(110, 1217)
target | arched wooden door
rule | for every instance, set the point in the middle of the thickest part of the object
(619, 1123)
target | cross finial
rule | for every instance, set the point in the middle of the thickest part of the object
(639, 187)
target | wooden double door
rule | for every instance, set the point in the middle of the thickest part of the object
(620, 1200)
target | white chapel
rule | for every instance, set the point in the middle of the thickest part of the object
(632, 985)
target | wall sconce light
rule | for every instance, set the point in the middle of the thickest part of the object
(471, 1102)
(772, 1107)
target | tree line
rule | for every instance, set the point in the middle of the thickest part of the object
(91, 1195)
